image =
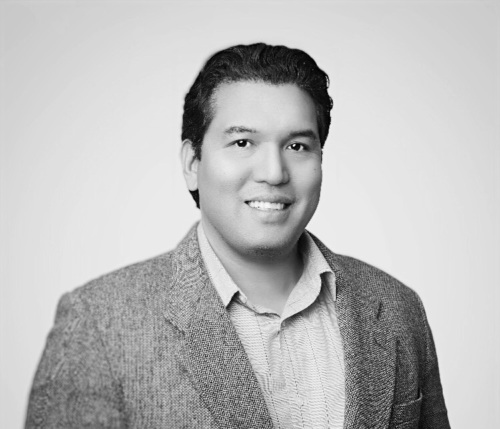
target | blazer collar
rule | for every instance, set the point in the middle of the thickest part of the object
(211, 350)
(221, 371)
(369, 347)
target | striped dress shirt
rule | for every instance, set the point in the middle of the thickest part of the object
(297, 357)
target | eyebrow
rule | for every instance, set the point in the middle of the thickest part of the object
(303, 133)
(239, 129)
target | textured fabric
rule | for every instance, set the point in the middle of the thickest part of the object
(298, 357)
(152, 346)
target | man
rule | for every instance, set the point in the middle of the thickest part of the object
(251, 322)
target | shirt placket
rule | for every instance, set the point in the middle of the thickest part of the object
(292, 378)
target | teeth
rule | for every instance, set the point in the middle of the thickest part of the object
(264, 205)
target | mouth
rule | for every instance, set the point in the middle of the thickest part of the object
(267, 205)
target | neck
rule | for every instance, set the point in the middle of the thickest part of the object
(266, 278)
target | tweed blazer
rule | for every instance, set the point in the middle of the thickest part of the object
(152, 346)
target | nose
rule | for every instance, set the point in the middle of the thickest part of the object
(271, 166)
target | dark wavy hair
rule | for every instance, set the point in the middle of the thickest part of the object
(258, 62)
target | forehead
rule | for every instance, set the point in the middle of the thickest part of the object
(262, 106)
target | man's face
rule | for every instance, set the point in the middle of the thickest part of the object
(259, 177)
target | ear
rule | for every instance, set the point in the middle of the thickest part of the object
(189, 165)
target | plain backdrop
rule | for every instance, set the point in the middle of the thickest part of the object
(91, 102)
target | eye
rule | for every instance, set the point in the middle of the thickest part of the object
(242, 143)
(297, 147)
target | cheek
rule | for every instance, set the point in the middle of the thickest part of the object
(220, 176)
(310, 181)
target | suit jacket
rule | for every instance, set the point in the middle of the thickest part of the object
(152, 346)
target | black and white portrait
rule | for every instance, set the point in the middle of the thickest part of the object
(242, 214)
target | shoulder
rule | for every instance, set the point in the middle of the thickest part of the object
(376, 283)
(130, 295)
(140, 284)
(369, 281)
(125, 291)
(127, 280)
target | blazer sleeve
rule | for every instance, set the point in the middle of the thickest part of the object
(74, 385)
(433, 414)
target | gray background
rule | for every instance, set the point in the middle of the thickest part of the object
(91, 104)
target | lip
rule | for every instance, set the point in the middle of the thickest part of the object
(270, 216)
(281, 199)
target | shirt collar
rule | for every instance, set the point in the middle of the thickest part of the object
(307, 289)
(223, 283)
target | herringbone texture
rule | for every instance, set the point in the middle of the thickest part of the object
(297, 357)
(152, 346)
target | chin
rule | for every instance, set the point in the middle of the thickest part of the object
(272, 248)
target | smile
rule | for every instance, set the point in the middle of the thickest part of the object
(267, 206)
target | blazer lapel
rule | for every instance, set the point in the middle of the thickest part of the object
(212, 352)
(219, 367)
(369, 350)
